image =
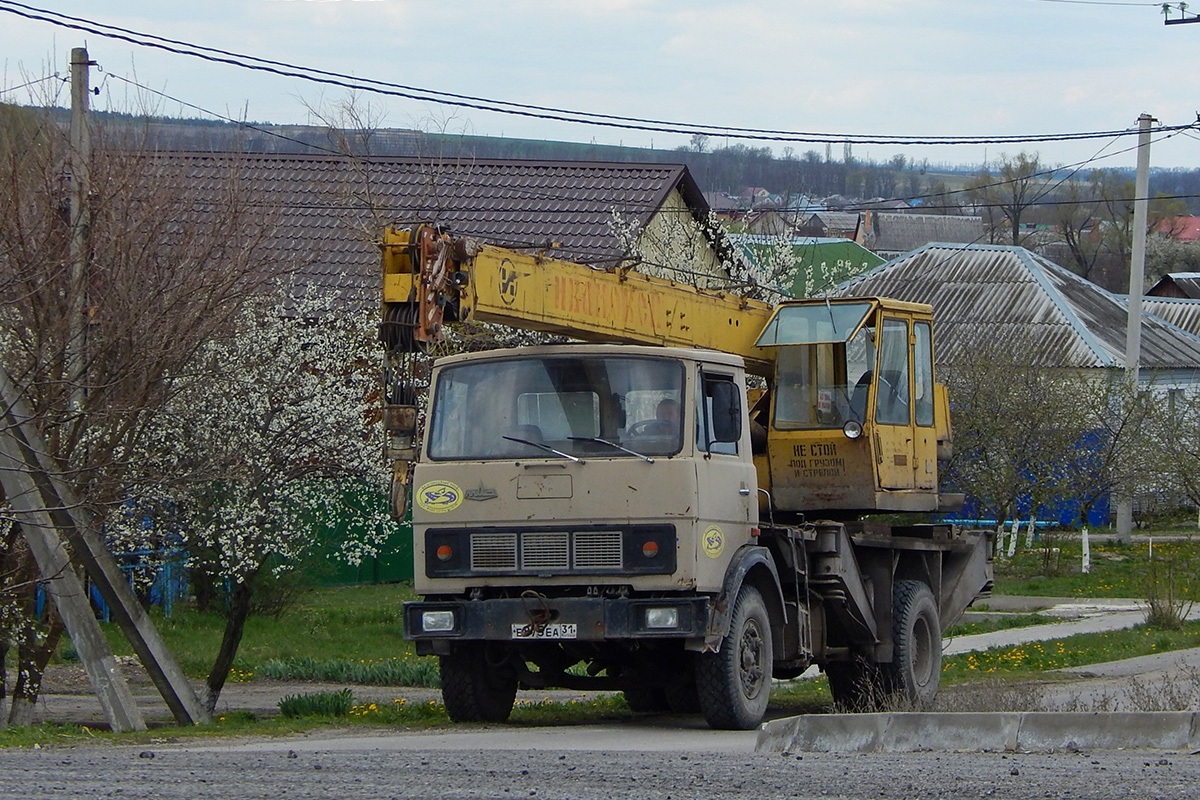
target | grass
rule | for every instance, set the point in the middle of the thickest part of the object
(1023, 660)
(999, 623)
(337, 627)
(1054, 567)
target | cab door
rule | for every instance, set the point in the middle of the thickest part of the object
(894, 440)
(925, 433)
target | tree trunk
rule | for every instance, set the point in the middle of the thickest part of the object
(3, 681)
(235, 625)
(32, 659)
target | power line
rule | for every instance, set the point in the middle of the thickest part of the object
(1103, 3)
(341, 80)
(30, 83)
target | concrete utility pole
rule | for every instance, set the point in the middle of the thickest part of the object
(1137, 272)
(48, 510)
(81, 180)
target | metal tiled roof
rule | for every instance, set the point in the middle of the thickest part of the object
(328, 210)
(1009, 294)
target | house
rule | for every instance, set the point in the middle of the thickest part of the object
(1010, 297)
(1013, 295)
(767, 222)
(816, 265)
(723, 205)
(1181, 229)
(1177, 284)
(327, 211)
(831, 224)
(889, 234)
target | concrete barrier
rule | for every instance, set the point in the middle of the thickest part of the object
(1005, 731)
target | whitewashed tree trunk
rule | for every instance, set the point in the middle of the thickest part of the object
(1087, 553)
(1012, 537)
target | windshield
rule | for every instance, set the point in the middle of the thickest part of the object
(813, 323)
(557, 406)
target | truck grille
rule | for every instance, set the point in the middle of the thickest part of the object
(632, 549)
(491, 551)
(544, 551)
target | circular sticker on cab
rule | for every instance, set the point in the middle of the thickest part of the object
(714, 542)
(438, 497)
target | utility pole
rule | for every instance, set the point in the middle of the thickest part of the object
(81, 163)
(1133, 329)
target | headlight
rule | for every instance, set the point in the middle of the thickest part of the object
(853, 429)
(437, 621)
(662, 618)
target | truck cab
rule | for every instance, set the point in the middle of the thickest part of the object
(619, 468)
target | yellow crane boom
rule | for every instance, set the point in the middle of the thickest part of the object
(491, 284)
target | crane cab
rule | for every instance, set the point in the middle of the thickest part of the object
(854, 415)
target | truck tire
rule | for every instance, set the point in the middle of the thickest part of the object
(916, 667)
(474, 689)
(734, 684)
(682, 697)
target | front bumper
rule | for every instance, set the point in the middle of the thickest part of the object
(589, 619)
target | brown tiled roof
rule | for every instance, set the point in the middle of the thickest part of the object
(330, 208)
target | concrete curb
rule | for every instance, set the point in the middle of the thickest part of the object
(957, 731)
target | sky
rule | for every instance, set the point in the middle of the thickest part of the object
(837, 68)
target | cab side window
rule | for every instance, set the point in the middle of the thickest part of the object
(718, 421)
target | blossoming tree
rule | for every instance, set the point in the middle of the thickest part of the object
(271, 430)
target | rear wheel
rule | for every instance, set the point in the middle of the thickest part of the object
(734, 684)
(478, 685)
(916, 667)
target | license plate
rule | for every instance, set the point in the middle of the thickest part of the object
(553, 630)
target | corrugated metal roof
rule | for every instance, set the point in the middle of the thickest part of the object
(330, 208)
(1010, 294)
(1182, 313)
(834, 220)
(898, 233)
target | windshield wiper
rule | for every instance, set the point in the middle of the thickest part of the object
(647, 459)
(545, 447)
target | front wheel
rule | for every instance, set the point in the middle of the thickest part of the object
(734, 684)
(916, 667)
(477, 686)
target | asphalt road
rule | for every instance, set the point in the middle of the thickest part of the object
(554, 772)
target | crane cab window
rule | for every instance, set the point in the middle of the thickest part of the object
(823, 385)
